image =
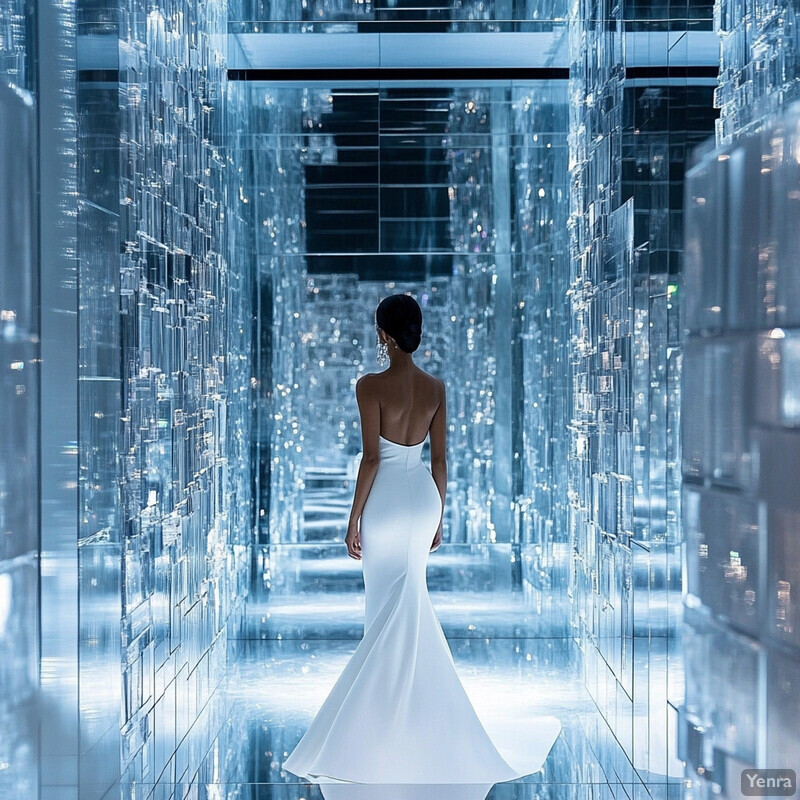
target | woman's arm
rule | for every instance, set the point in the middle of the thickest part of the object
(369, 406)
(439, 446)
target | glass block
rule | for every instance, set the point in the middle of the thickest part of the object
(724, 542)
(782, 570)
(723, 671)
(706, 238)
(747, 220)
(20, 355)
(783, 740)
(740, 551)
(731, 364)
(758, 63)
(780, 184)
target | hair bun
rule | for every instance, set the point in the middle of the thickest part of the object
(400, 316)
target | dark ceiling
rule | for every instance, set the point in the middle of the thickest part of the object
(382, 209)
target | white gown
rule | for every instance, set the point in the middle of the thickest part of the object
(398, 713)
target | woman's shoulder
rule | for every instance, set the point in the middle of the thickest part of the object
(367, 380)
(433, 379)
(374, 377)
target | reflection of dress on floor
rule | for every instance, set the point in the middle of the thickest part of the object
(398, 713)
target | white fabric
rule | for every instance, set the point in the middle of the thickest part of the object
(399, 713)
(404, 791)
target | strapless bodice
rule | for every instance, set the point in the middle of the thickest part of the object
(393, 452)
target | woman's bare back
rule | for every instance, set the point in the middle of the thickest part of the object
(409, 400)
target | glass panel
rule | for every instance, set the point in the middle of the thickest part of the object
(19, 451)
(340, 16)
(740, 510)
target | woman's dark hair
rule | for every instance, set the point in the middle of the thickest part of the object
(400, 316)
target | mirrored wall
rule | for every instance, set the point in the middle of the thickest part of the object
(459, 196)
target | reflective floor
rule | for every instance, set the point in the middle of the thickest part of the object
(284, 656)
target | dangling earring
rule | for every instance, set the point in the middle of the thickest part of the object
(383, 352)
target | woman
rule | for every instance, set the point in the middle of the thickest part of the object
(398, 712)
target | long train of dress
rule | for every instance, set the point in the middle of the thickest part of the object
(399, 713)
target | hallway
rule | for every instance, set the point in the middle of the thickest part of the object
(595, 205)
(284, 664)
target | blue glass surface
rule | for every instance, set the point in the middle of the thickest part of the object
(19, 453)
(741, 450)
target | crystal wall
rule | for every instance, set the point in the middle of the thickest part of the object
(59, 703)
(17, 62)
(662, 122)
(741, 456)
(100, 521)
(19, 453)
(184, 344)
(67, 484)
(145, 390)
(629, 140)
(759, 62)
(480, 313)
(276, 190)
(540, 157)
(454, 15)
(20, 403)
(504, 16)
(600, 483)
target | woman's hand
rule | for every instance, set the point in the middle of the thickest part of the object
(437, 539)
(353, 540)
